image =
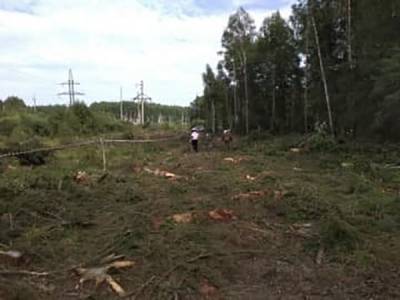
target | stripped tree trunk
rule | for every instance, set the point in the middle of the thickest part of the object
(323, 76)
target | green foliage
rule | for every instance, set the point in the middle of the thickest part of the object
(50, 122)
(338, 234)
(81, 118)
(8, 123)
(37, 124)
(20, 134)
(321, 142)
(13, 104)
(279, 68)
(21, 140)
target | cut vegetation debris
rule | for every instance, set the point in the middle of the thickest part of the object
(11, 254)
(250, 195)
(238, 231)
(277, 195)
(12, 257)
(251, 178)
(303, 230)
(184, 218)
(100, 275)
(81, 177)
(347, 165)
(236, 160)
(158, 172)
(222, 214)
(208, 290)
(296, 150)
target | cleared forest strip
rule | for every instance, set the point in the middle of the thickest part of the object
(87, 143)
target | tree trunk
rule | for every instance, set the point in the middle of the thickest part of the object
(292, 111)
(213, 121)
(228, 108)
(235, 98)
(246, 93)
(242, 100)
(349, 35)
(272, 125)
(323, 76)
(307, 72)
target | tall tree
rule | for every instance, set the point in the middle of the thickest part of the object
(237, 40)
(280, 64)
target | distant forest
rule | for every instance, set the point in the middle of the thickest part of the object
(333, 64)
(19, 122)
(155, 113)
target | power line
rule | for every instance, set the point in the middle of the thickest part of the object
(141, 98)
(71, 89)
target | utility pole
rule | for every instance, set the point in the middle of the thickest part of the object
(71, 89)
(121, 108)
(141, 98)
(34, 103)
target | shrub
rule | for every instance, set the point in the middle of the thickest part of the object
(19, 135)
(320, 141)
(337, 234)
(27, 143)
(38, 123)
(7, 124)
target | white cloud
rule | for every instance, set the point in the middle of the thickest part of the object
(108, 44)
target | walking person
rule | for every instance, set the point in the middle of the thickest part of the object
(227, 138)
(194, 138)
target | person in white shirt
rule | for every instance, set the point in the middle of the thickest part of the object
(194, 138)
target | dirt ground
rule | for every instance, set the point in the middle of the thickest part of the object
(258, 221)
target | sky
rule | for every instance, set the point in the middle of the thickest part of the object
(110, 44)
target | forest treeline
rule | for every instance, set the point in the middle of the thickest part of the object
(333, 63)
(19, 122)
(154, 113)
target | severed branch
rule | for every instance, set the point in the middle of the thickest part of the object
(100, 274)
(24, 273)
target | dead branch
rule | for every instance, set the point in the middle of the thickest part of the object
(23, 273)
(100, 274)
(111, 258)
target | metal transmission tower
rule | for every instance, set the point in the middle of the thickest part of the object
(141, 98)
(71, 89)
